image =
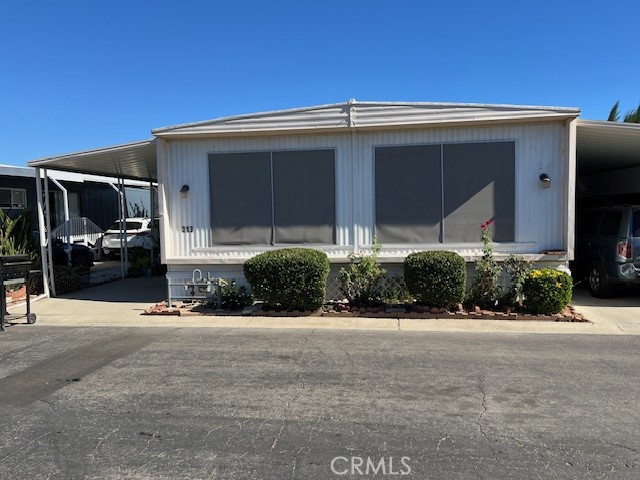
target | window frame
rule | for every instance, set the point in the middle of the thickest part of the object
(11, 195)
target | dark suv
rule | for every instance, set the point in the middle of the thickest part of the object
(608, 247)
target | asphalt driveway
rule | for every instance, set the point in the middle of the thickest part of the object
(82, 402)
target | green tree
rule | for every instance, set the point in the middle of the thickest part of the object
(614, 115)
(632, 116)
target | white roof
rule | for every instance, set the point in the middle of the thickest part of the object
(364, 115)
(135, 161)
(30, 172)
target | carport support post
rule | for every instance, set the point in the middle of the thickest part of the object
(125, 214)
(48, 221)
(67, 223)
(152, 219)
(43, 238)
(120, 202)
(122, 228)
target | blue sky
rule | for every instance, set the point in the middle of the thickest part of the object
(84, 74)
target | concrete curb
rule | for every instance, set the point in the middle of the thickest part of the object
(324, 323)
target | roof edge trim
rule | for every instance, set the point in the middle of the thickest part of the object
(353, 102)
(608, 124)
(344, 129)
(113, 148)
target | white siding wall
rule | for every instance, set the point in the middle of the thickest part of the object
(540, 220)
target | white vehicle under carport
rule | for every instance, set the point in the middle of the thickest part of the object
(138, 233)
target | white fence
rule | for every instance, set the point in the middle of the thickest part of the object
(81, 230)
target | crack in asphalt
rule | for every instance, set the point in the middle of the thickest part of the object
(479, 425)
(294, 397)
(240, 428)
(624, 446)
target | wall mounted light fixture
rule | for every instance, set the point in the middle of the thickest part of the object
(545, 180)
(184, 191)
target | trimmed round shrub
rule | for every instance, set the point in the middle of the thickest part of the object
(436, 278)
(547, 291)
(289, 278)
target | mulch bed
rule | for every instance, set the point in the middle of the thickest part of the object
(345, 311)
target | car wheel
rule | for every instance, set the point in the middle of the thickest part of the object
(599, 284)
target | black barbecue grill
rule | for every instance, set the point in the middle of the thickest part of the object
(14, 269)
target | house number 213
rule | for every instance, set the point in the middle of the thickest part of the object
(187, 229)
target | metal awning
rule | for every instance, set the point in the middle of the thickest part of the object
(605, 146)
(133, 161)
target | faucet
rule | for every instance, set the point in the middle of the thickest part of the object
(193, 276)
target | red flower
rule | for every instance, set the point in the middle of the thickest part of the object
(483, 226)
(489, 222)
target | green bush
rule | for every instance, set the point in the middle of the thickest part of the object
(65, 278)
(290, 278)
(360, 280)
(547, 291)
(486, 289)
(437, 279)
(233, 297)
(518, 269)
(139, 260)
(16, 233)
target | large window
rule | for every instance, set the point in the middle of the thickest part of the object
(443, 193)
(13, 198)
(408, 194)
(266, 198)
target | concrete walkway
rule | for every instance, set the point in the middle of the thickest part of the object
(620, 312)
(121, 303)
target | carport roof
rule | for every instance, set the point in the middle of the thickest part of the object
(605, 146)
(134, 161)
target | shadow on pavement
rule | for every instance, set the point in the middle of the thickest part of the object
(128, 290)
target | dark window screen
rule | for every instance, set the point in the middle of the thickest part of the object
(479, 185)
(5, 198)
(408, 194)
(304, 196)
(610, 225)
(240, 198)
